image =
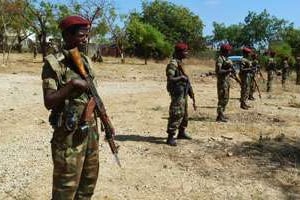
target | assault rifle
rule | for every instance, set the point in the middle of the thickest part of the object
(234, 76)
(189, 89)
(98, 104)
(260, 73)
(256, 85)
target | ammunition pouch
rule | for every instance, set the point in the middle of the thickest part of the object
(71, 121)
(55, 119)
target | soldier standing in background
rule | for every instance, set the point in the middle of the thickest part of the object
(75, 148)
(285, 71)
(297, 68)
(255, 68)
(178, 88)
(246, 77)
(271, 70)
(224, 67)
(34, 50)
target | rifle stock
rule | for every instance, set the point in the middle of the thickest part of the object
(99, 106)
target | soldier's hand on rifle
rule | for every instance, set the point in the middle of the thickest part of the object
(230, 70)
(80, 85)
(183, 78)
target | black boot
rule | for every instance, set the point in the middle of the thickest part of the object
(251, 98)
(221, 118)
(183, 135)
(244, 106)
(171, 140)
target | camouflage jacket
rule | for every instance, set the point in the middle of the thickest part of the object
(223, 63)
(271, 65)
(172, 70)
(57, 71)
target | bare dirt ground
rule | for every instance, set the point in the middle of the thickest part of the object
(254, 156)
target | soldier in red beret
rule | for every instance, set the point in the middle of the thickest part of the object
(74, 146)
(179, 87)
(224, 68)
(245, 74)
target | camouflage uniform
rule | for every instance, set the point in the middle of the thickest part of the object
(223, 85)
(74, 150)
(255, 66)
(178, 110)
(271, 70)
(246, 79)
(284, 72)
(297, 68)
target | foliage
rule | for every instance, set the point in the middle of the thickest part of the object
(231, 34)
(258, 30)
(147, 39)
(292, 37)
(282, 50)
(177, 23)
(262, 28)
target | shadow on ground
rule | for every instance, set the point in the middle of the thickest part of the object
(141, 138)
(272, 155)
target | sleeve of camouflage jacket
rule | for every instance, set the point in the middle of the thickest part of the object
(219, 63)
(171, 70)
(49, 77)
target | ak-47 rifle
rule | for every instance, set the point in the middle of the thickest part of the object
(256, 85)
(234, 76)
(189, 89)
(98, 104)
(260, 73)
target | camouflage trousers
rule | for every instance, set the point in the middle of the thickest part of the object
(223, 87)
(252, 85)
(76, 163)
(271, 74)
(246, 79)
(178, 114)
(297, 77)
(284, 76)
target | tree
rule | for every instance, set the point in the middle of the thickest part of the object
(177, 23)
(147, 39)
(292, 37)
(231, 34)
(118, 33)
(38, 15)
(12, 26)
(260, 29)
(282, 49)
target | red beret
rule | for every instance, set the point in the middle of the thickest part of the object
(225, 47)
(73, 20)
(247, 50)
(181, 46)
(272, 53)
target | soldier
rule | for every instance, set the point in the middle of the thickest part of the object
(224, 67)
(34, 50)
(285, 71)
(255, 69)
(297, 68)
(271, 70)
(246, 77)
(178, 88)
(74, 148)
